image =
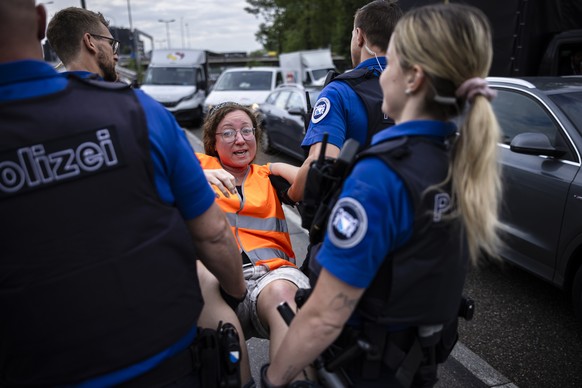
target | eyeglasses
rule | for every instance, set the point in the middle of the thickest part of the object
(114, 42)
(229, 135)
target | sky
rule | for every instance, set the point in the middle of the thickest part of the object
(215, 25)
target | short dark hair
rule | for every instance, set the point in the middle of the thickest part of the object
(66, 29)
(377, 20)
(215, 116)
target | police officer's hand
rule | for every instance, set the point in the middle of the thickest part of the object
(232, 301)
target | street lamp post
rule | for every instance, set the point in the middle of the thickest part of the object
(182, 30)
(167, 21)
(187, 36)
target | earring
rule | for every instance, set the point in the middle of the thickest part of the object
(408, 92)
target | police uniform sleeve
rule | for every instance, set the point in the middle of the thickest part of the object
(329, 116)
(178, 175)
(372, 218)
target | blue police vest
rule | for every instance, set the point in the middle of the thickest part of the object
(422, 282)
(366, 85)
(96, 273)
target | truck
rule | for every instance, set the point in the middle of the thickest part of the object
(307, 67)
(178, 79)
(530, 37)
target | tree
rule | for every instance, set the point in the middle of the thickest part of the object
(292, 25)
(269, 34)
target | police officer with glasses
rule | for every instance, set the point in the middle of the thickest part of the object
(105, 210)
(83, 42)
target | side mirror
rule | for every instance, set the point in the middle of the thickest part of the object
(531, 143)
(296, 111)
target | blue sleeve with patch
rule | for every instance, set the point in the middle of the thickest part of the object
(328, 116)
(178, 175)
(341, 113)
(373, 216)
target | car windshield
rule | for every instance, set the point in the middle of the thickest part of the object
(245, 80)
(570, 104)
(170, 76)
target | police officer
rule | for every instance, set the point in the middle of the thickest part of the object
(418, 205)
(350, 106)
(104, 209)
(83, 42)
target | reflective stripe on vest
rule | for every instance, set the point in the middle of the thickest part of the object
(272, 224)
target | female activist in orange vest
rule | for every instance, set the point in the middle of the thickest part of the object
(253, 208)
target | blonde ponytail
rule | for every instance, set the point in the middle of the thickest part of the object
(454, 49)
(476, 181)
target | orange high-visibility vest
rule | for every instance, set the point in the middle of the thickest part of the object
(258, 221)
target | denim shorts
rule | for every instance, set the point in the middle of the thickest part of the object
(247, 310)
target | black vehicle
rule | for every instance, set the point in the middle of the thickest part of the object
(283, 118)
(530, 38)
(541, 155)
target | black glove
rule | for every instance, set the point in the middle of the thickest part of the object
(231, 300)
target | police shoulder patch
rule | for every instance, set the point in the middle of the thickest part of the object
(320, 110)
(347, 224)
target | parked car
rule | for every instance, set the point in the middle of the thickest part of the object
(540, 154)
(283, 117)
(246, 85)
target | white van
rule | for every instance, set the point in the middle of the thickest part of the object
(178, 80)
(248, 86)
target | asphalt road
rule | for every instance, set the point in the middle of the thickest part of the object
(523, 334)
(524, 328)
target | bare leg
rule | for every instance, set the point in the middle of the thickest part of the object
(216, 310)
(270, 297)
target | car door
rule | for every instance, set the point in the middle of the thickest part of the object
(276, 125)
(294, 123)
(265, 109)
(535, 187)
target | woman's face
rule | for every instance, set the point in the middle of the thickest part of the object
(393, 84)
(237, 152)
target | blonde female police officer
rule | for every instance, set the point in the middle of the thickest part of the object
(409, 219)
